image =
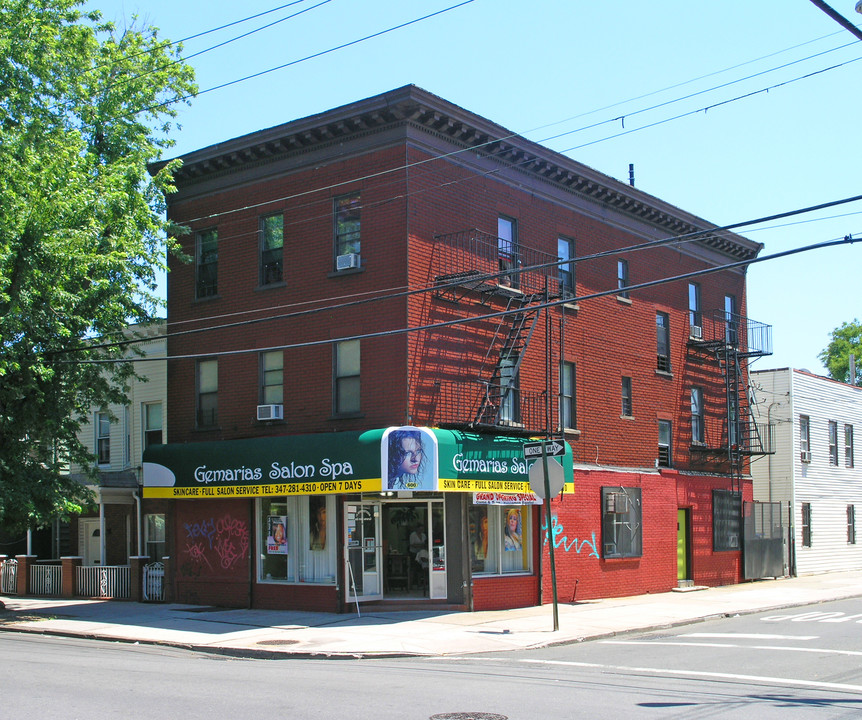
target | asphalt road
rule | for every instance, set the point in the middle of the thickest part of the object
(805, 662)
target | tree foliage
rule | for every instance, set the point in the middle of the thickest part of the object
(846, 340)
(84, 107)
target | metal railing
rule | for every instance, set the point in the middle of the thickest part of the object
(46, 580)
(110, 581)
(154, 582)
(9, 577)
(455, 405)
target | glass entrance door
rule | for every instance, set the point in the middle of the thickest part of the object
(362, 551)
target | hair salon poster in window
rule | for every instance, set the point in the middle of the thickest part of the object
(276, 541)
(409, 458)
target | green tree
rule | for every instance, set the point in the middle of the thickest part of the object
(846, 341)
(84, 107)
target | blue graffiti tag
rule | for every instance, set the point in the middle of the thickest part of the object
(563, 541)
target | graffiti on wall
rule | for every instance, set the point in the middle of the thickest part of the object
(215, 543)
(561, 540)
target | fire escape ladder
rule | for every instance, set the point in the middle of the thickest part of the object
(500, 378)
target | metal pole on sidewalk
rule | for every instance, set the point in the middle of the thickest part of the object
(550, 534)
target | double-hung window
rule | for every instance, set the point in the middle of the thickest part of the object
(848, 446)
(154, 536)
(568, 417)
(806, 524)
(851, 524)
(622, 278)
(346, 381)
(207, 393)
(662, 341)
(271, 249)
(695, 317)
(833, 442)
(152, 419)
(697, 430)
(664, 444)
(507, 251)
(627, 397)
(272, 377)
(805, 438)
(347, 225)
(103, 438)
(566, 270)
(510, 403)
(206, 253)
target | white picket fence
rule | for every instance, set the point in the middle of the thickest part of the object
(46, 579)
(110, 581)
(9, 577)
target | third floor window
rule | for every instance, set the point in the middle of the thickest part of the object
(206, 254)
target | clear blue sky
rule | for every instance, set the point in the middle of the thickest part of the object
(547, 67)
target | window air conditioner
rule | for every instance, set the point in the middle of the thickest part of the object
(346, 262)
(270, 412)
(697, 332)
(805, 456)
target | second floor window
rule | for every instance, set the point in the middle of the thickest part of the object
(566, 270)
(347, 364)
(848, 446)
(833, 442)
(103, 438)
(622, 278)
(206, 252)
(207, 393)
(271, 249)
(664, 447)
(272, 377)
(697, 431)
(805, 438)
(152, 417)
(662, 341)
(695, 318)
(347, 225)
(568, 418)
(507, 250)
(627, 397)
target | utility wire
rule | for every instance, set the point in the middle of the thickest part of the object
(847, 239)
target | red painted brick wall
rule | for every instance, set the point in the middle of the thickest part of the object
(499, 593)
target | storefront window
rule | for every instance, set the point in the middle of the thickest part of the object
(500, 538)
(296, 539)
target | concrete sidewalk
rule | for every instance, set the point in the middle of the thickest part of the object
(286, 633)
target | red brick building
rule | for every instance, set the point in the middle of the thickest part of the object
(403, 263)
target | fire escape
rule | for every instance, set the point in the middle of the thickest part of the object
(510, 281)
(732, 341)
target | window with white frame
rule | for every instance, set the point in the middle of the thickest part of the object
(695, 317)
(507, 251)
(152, 421)
(296, 539)
(833, 442)
(272, 377)
(500, 538)
(207, 393)
(346, 381)
(848, 446)
(566, 270)
(103, 438)
(806, 524)
(271, 249)
(697, 430)
(805, 438)
(206, 254)
(568, 416)
(627, 397)
(664, 443)
(851, 524)
(622, 278)
(622, 531)
(662, 341)
(154, 536)
(347, 227)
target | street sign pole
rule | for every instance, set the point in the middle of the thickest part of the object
(550, 535)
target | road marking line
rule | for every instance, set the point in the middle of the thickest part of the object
(752, 636)
(716, 675)
(826, 651)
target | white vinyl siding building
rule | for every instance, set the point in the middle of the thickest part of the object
(789, 399)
